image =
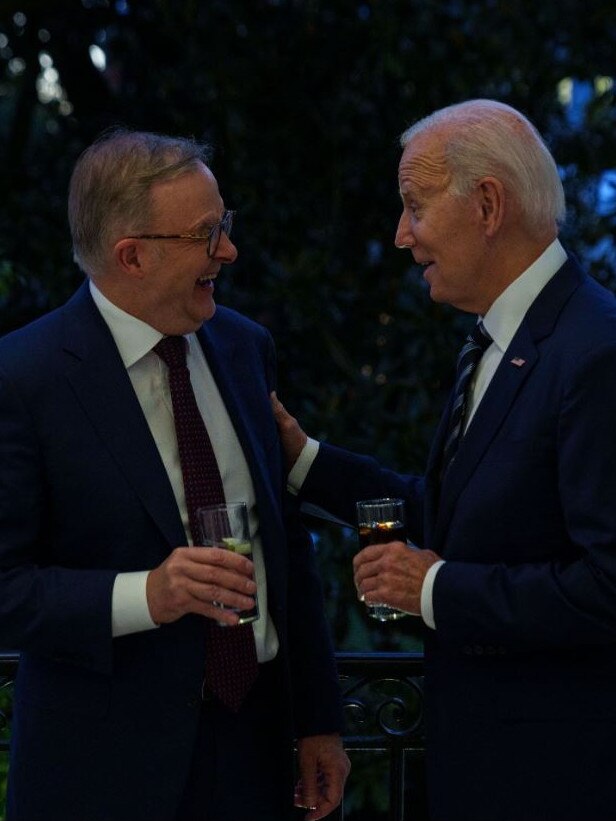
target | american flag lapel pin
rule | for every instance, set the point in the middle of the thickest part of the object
(518, 361)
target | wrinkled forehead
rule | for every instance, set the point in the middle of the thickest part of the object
(423, 165)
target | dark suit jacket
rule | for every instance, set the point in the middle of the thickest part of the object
(521, 670)
(103, 728)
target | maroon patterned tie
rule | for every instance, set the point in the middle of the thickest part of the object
(231, 660)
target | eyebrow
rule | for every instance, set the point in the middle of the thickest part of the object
(207, 223)
(202, 226)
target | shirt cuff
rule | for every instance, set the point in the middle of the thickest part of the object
(301, 468)
(129, 605)
(427, 609)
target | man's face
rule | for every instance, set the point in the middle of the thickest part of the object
(178, 286)
(443, 231)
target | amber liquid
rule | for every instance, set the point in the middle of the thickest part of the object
(381, 533)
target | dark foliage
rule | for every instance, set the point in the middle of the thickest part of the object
(304, 102)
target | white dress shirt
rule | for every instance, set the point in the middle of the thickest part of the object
(148, 374)
(502, 322)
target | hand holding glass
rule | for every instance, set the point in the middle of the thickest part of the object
(226, 526)
(380, 521)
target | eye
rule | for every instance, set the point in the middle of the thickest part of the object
(414, 208)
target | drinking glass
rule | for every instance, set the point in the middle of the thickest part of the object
(380, 521)
(226, 526)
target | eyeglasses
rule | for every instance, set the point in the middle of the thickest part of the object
(212, 237)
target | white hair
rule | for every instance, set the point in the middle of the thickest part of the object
(488, 138)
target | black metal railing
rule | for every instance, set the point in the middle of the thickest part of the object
(383, 702)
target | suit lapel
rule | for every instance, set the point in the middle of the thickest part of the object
(494, 407)
(231, 374)
(102, 386)
(514, 369)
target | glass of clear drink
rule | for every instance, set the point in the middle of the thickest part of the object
(380, 521)
(226, 526)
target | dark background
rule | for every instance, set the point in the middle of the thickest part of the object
(304, 103)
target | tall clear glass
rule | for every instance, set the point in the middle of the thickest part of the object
(380, 521)
(226, 526)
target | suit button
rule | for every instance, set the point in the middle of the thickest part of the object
(467, 650)
(192, 703)
(478, 650)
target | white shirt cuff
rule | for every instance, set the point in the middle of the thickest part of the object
(299, 471)
(129, 605)
(427, 609)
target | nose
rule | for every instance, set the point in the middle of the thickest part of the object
(226, 251)
(404, 233)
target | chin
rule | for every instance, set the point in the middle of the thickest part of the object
(436, 295)
(207, 315)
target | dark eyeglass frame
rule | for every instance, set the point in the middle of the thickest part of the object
(212, 237)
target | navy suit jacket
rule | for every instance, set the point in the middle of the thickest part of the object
(104, 728)
(521, 670)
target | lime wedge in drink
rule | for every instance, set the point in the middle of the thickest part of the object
(237, 545)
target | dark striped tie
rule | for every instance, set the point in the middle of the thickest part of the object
(476, 343)
(231, 658)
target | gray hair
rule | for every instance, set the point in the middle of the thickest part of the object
(488, 138)
(109, 192)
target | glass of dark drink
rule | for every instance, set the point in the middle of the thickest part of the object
(380, 521)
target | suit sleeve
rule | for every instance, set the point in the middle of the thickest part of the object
(317, 702)
(58, 612)
(338, 479)
(316, 690)
(569, 598)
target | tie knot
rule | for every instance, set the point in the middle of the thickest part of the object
(480, 337)
(172, 350)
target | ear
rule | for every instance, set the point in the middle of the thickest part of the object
(128, 255)
(491, 200)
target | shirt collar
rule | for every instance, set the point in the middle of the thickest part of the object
(133, 337)
(507, 312)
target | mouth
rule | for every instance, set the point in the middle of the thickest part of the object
(207, 281)
(425, 264)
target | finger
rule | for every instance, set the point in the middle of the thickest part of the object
(309, 786)
(276, 403)
(367, 590)
(208, 593)
(219, 615)
(327, 801)
(279, 409)
(299, 799)
(218, 557)
(365, 573)
(281, 415)
(368, 554)
(370, 567)
(220, 577)
(323, 808)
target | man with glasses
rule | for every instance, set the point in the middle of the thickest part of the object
(131, 702)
